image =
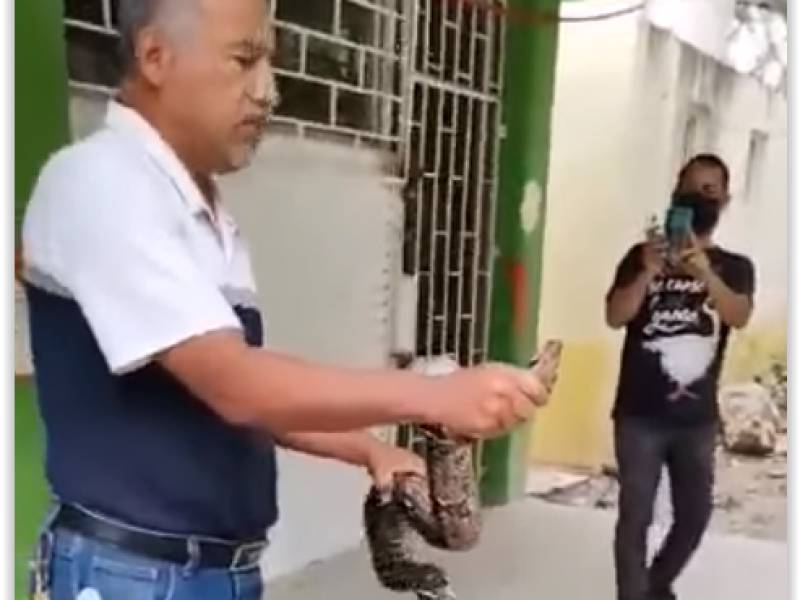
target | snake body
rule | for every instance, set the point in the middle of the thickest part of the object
(442, 509)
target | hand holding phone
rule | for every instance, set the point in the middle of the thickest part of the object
(655, 248)
(678, 229)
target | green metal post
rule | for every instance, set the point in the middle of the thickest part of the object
(30, 490)
(40, 91)
(529, 80)
(41, 127)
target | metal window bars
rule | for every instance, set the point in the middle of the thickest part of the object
(451, 171)
(340, 67)
(339, 63)
(417, 78)
(450, 158)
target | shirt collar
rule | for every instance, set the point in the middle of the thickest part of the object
(131, 124)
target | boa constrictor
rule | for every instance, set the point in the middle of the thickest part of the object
(443, 509)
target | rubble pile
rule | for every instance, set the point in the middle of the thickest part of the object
(750, 420)
(751, 494)
(754, 414)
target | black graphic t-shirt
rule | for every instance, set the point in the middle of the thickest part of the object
(675, 346)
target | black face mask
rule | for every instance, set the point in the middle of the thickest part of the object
(705, 211)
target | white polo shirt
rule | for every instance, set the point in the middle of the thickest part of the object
(116, 222)
(123, 259)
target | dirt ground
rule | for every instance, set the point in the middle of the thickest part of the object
(750, 499)
(752, 496)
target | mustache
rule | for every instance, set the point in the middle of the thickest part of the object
(257, 121)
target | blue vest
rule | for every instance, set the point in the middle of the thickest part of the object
(139, 447)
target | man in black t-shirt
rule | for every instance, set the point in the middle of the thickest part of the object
(677, 319)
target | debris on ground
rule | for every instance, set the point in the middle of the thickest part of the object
(750, 498)
(752, 468)
(750, 419)
(545, 481)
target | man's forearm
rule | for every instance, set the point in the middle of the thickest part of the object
(624, 303)
(353, 448)
(262, 389)
(733, 309)
(306, 397)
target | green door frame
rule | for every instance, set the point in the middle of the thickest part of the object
(41, 111)
(41, 118)
(528, 90)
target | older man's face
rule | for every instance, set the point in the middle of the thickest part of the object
(219, 84)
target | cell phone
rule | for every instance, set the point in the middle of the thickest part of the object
(678, 226)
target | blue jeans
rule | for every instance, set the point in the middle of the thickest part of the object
(78, 564)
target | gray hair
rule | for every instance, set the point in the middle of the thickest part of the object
(135, 15)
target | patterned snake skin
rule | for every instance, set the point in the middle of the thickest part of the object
(442, 509)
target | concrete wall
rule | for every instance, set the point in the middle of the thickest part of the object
(590, 216)
(323, 227)
(624, 95)
(758, 222)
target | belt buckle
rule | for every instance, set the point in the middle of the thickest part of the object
(247, 555)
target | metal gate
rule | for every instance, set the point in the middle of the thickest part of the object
(451, 173)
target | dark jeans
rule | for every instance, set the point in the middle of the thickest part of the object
(643, 449)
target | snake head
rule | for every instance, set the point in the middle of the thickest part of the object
(545, 363)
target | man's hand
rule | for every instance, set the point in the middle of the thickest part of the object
(360, 449)
(357, 448)
(384, 460)
(694, 261)
(653, 254)
(733, 308)
(486, 401)
(634, 274)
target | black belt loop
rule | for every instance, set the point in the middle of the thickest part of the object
(191, 553)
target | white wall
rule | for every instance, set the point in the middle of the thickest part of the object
(738, 108)
(758, 222)
(624, 94)
(592, 213)
(323, 228)
(703, 24)
(589, 188)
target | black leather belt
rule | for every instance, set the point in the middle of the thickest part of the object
(203, 554)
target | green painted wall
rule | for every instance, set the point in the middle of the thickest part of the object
(41, 126)
(40, 91)
(30, 492)
(529, 80)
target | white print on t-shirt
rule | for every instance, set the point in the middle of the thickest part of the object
(676, 285)
(685, 359)
(683, 330)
